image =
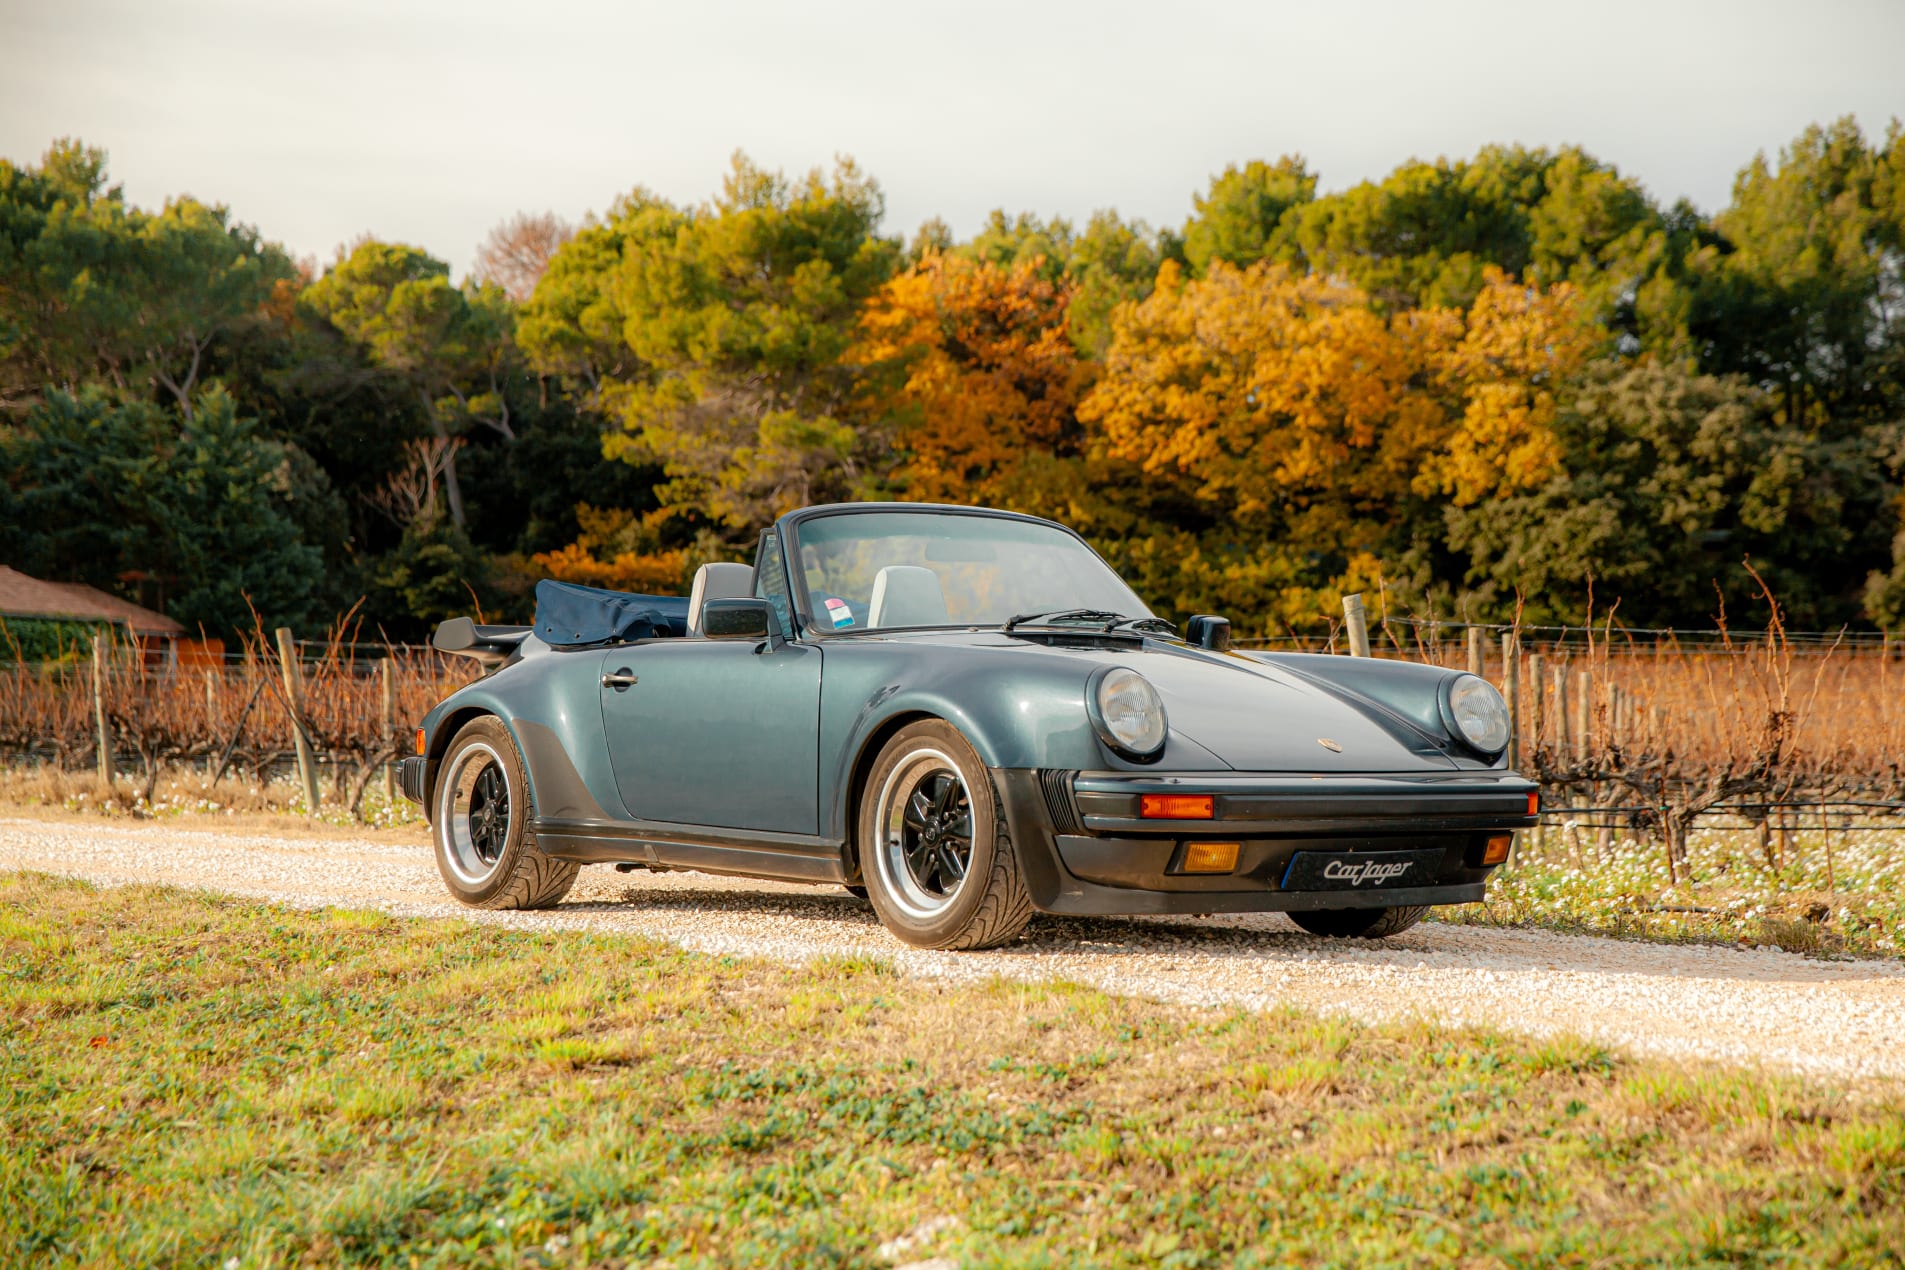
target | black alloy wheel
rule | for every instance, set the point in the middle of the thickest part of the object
(936, 834)
(489, 814)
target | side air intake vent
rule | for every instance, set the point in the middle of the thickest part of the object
(1056, 785)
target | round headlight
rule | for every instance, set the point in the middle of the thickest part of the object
(1479, 713)
(1128, 712)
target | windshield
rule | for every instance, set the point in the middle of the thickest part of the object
(897, 569)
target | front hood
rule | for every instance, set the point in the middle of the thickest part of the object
(1250, 715)
(1258, 718)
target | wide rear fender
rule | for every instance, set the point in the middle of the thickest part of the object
(552, 706)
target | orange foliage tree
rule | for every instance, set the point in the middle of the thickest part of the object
(972, 377)
(620, 551)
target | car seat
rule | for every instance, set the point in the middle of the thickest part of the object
(907, 595)
(717, 582)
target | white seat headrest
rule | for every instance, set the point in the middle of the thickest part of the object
(907, 595)
(717, 582)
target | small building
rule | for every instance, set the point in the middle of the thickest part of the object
(24, 599)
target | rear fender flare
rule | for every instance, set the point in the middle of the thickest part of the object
(444, 731)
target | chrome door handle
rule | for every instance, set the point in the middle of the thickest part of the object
(620, 680)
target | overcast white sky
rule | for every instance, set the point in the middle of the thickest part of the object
(428, 121)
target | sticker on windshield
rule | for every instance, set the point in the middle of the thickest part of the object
(842, 615)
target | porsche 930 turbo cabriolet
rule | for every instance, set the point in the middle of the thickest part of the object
(966, 717)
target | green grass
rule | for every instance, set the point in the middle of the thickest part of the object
(1822, 896)
(190, 1080)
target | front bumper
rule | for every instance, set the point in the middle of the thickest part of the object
(1086, 849)
(410, 778)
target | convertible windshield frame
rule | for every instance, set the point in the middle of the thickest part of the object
(790, 527)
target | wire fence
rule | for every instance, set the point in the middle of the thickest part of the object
(335, 705)
(1642, 732)
(1649, 731)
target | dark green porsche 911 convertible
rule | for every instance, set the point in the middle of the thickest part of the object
(966, 717)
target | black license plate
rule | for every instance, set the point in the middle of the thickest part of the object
(1361, 870)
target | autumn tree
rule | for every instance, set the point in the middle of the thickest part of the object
(519, 250)
(624, 552)
(971, 370)
(1318, 436)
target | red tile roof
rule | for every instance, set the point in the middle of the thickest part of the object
(21, 596)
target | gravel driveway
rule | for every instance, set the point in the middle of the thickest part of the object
(1759, 1006)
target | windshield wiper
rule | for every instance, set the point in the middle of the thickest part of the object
(1048, 616)
(1155, 625)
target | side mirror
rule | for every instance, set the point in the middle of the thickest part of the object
(1207, 631)
(741, 620)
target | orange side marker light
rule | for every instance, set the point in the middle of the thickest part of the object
(419, 740)
(1176, 806)
(1497, 849)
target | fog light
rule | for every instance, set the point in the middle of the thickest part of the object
(1210, 857)
(1176, 806)
(1497, 849)
(419, 740)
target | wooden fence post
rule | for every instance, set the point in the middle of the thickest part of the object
(294, 698)
(1537, 685)
(1563, 743)
(1511, 694)
(1584, 713)
(387, 710)
(1477, 657)
(1358, 623)
(101, 734)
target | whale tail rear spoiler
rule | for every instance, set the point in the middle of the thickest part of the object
(490, 645)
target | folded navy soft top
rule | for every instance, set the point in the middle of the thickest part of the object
(569, 615)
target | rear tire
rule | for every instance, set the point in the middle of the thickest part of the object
(485, 852)
(1359, 923)
(937, 861)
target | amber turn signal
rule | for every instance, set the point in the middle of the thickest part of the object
(419, 740)
(1497, 849)
(1534, 802)
(1176, 806)
(1210, 857)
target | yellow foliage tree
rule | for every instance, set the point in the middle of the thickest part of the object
(1317, 434)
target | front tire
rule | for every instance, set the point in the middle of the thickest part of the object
(485, 852)
(938, 863)
(1359, 923)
